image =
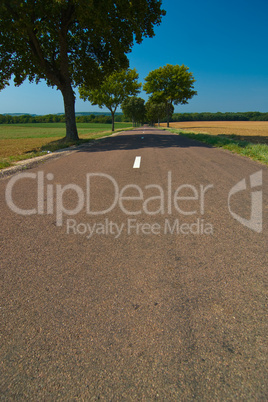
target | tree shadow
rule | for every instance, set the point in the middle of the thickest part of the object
(222, 140)
(141, 138)
(58, 145)
(148, 137)
(254, 139)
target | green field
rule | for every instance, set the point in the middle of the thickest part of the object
(50, 130)
(24, 141)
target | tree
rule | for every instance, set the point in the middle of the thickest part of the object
(157, 111)
(134, 109)
(71, 42)
(113, 91)
(170, 84)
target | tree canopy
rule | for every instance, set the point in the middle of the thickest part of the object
(134, 109)
(113, 90)
(157, 111)
(71, 42)
(171, 84)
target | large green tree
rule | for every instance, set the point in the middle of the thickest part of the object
(171, 84)
(114, 89)
(71, 42)
(134, 108)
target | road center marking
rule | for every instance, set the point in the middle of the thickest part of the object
(137, 162)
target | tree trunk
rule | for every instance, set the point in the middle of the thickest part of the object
(168, 111)
(167, 120)
(69, 108)
(112, 120)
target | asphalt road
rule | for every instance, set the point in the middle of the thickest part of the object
(161, 297)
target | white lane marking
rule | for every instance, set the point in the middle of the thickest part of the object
(137, 162)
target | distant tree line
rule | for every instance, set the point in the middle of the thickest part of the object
(104, 119)
(58, 118)
(229, 116)
(151, 116)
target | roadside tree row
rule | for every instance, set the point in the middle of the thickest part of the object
(169, 85)
(84, 44)
(71, 43)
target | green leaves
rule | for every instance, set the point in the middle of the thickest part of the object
(71, 43)
(134, 108)
(170, 84)
(61, 40)
(157, 111)
(113, 90)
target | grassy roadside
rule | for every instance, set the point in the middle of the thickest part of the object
(23, 142)
(258, 152)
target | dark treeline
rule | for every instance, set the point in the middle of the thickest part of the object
(106, 119)
(57, 118)
(243, 116)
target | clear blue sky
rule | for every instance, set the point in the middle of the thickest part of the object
(224, 44)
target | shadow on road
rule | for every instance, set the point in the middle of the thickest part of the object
(139, 138)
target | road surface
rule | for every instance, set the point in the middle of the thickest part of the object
(135, 270)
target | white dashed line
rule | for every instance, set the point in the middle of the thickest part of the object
(137, 162)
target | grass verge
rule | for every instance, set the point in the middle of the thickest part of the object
(258, 152)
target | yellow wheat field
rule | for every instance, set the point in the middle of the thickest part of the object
(254, 131)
